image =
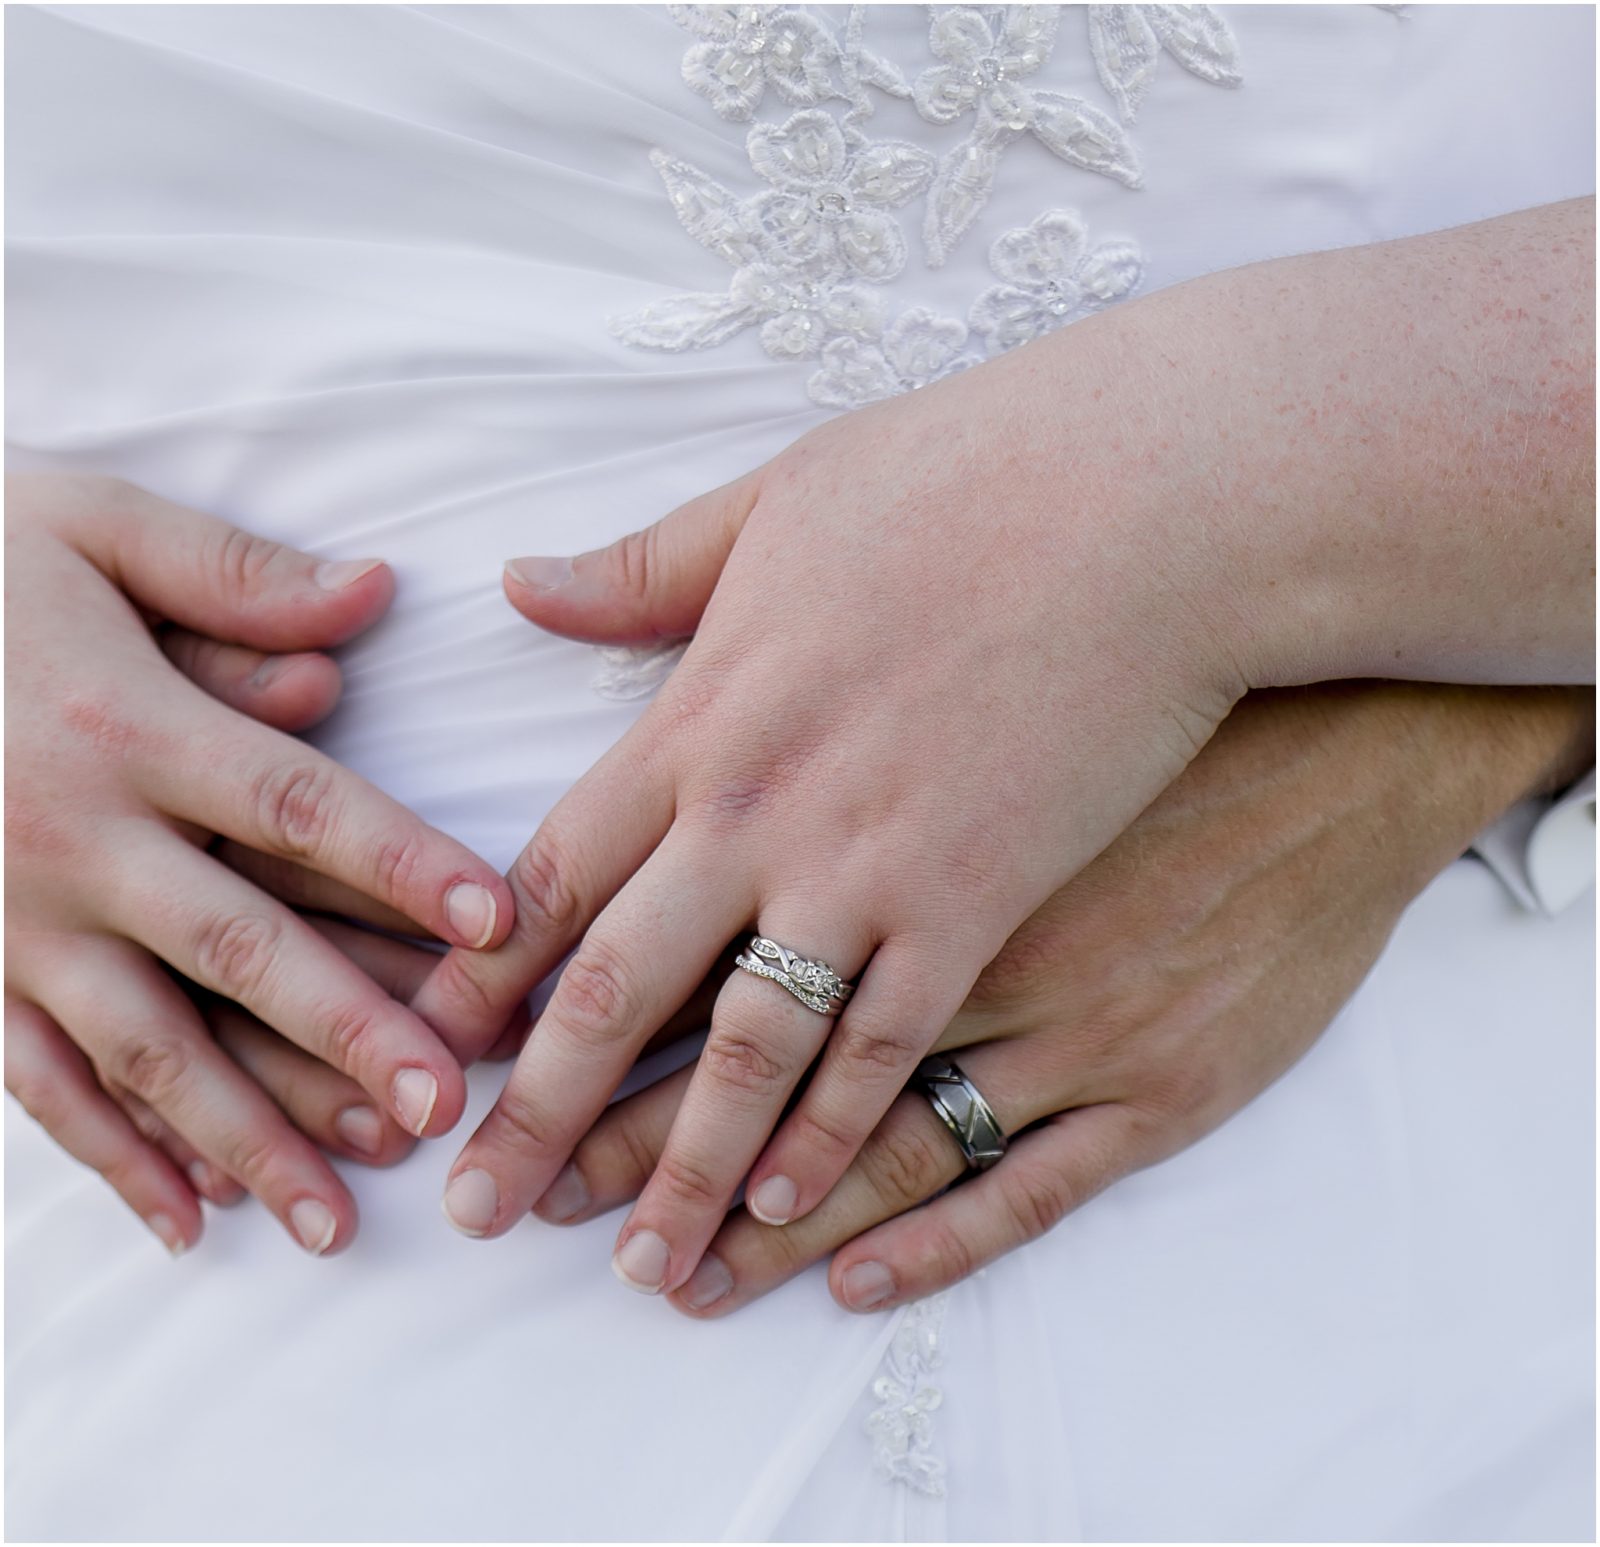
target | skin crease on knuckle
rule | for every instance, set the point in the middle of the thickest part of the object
(233, 954)
(294, 806)
(546, 895)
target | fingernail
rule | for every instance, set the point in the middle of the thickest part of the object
(540, 574)
(641, 1262)
(866, 1286)
(268, 671)
(166, 1227)
(709, 1282)
(313, 1223)
(470, 1201)
(210, 1181)
(361, 1128)
(471, 911)
(773, 1201)
(415, 1091)
(565, 1197)
(335, 577)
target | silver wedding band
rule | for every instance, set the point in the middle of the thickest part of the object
(815, 984)
(962, 1110)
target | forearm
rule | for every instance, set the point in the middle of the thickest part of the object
(1385, 452)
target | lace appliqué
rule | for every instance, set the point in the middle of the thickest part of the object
(746, 48)
(901, 1425)
(1127, 41)
(983, 73)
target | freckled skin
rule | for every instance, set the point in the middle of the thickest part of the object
(1013, 607)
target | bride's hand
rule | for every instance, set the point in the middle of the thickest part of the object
(961, 639)
(1146, 1002)
(119, 771)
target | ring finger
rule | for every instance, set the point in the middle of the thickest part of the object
(763, 1038)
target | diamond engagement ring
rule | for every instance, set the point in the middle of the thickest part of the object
(962, 1110)
(815, 984)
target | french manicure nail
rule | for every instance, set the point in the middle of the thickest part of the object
(641, 1262)
(361, 1128)
(471, 911)
(540, 574)
(313, 1224)
(773, 1201)
(166, 1227)
(866, 1285)
(415, 1091)
(565, 1197)
(345, 572)
(709, 1282)
(470, 1201)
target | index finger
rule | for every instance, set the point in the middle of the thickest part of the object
(275, 794)
(599, 834)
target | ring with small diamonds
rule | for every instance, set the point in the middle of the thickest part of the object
(815, 984)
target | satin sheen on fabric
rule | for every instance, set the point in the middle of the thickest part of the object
(343, 275)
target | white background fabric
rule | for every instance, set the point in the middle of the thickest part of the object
(342, 275)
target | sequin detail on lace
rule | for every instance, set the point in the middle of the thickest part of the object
(901, 1425)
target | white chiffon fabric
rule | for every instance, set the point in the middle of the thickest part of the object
(344, 275)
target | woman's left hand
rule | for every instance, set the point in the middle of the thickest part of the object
(962, 638)
(1152, 997)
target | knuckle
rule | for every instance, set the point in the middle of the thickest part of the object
(739, 1059)
(686, 1183)
(822, 1135)
(233, 954)
(350, 1033)
(547, 901)
(952, 1258)
(294, 806)
(153, 1065)
(519, 1117)
(594, 999)
(633, 564)
(462, 994)
(869, 1050)
(248, 1159)
(239, 560)
(1037, 1205)
(906, 1163)
(398, 863)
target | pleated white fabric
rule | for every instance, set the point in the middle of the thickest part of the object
(343, 275)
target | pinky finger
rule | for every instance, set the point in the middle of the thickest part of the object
(1047, 1172)
(56, 1085)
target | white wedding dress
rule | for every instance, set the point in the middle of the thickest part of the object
(406, 281)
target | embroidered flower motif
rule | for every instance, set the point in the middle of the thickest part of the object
(1127, 40)
(1049, 275)
(917, 348)
(748, 47)
(796, 314)
(901, 1425)
(828, 200)
(798, 248)
(983, 74)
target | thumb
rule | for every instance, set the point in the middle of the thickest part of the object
(646, 587)
(227, 584)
